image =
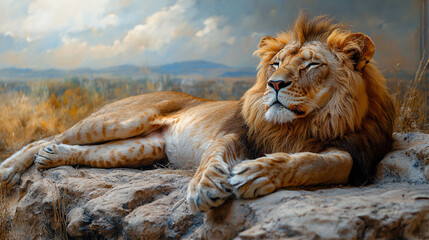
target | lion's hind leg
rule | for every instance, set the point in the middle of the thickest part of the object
(99, 127)
(133, 152)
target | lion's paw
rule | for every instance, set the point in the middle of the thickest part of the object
(9, 176)
(52, 156)
(210, 188)
(251, 179)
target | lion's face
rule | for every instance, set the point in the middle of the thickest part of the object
(315, 82)
(314, 78)
(298, 81)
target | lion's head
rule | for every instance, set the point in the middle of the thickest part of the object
(314, 82)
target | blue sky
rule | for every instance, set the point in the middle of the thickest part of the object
(100, 33)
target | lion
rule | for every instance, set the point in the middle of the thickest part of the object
(318, 114)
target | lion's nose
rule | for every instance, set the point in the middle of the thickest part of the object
(278, 84)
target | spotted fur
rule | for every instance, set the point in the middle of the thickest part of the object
(319, 113)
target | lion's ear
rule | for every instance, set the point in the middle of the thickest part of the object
(358, 47)
(264, 40)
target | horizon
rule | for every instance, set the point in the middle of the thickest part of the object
(46, 34)
(120, 65)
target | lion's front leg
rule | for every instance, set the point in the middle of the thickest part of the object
(209, 187)
(262, 176)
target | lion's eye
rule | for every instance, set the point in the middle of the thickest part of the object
(312, 65)
(275, 65)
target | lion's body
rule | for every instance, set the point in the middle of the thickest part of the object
(183, 125)
(319, 113)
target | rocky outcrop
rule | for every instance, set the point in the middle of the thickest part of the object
(89, 203)
(408, 162)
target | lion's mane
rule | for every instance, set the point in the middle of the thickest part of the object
(358, 118)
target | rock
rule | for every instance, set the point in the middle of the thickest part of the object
(391, 211)
(104, 203)
(88, 203)
(409, 160)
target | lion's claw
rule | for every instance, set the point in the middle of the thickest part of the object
(52, 155)
(250, 179)
(49, 150)
(9, 176)
(209, 189)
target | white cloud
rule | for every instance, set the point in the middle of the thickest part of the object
(109, 20)
(159, 29)
(172, 32)
(211, 26)
(215, 33)
(41, 17)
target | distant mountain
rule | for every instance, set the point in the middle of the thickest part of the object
(205, 68)
(242, 72)
(199, 67)
(190, 67)
(121, 70)
(30, 73)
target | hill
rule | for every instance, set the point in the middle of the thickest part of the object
(199, 67)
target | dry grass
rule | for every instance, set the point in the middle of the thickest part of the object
(4, 223)
(60, 217)
(24, 119)
(411, 101)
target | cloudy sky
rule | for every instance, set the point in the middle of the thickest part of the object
(99, 33)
